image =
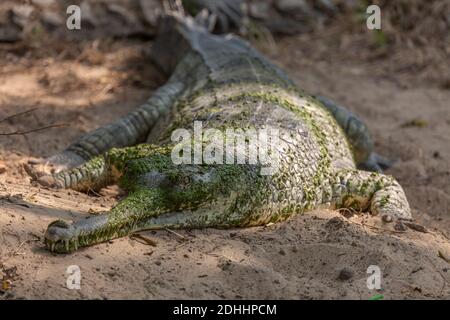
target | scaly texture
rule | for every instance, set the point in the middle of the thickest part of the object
(224, 83)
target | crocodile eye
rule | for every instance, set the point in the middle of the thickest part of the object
(59, 230)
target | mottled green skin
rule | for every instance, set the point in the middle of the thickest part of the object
(227, 84)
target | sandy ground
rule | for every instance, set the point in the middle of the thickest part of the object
(321, 255)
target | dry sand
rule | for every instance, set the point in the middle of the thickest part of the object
(94, 82)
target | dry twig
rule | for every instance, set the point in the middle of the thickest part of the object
(19, 132)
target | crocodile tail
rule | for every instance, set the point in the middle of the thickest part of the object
(177, 34)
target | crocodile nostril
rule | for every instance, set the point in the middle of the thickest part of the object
(59, 224)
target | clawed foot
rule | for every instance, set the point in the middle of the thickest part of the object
(229, 13)
(43, 171)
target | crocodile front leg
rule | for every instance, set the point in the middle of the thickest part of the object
(98, 172)
(127, 131)
(164, 195)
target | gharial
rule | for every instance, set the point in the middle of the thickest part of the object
(223, 82)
